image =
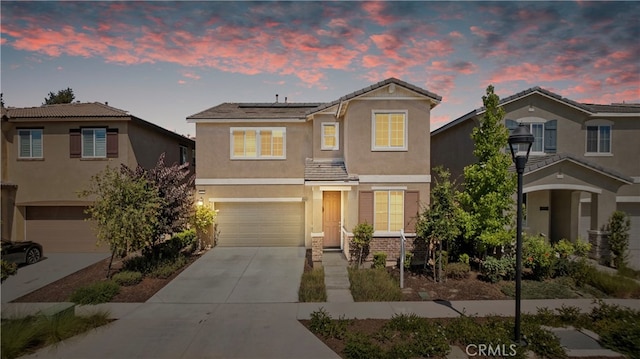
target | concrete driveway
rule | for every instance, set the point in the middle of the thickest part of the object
(53, 267)
(238, 275)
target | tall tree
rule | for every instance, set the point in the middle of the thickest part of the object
(63, 96)
(489, 186)
(174, 185)
(126, 211)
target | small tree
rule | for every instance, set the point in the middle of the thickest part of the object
(202, 221)
(126, 211)
(440, 222)
(63, 96)
(618, 228)
(362, 235)
(488, 185)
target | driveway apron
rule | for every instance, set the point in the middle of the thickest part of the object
(238, 275)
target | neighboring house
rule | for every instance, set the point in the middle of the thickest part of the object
(305, 174)
(584, 163)
(50, 153)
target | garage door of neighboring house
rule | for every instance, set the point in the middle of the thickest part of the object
(61, 229)
(633, 210)
(260, 224)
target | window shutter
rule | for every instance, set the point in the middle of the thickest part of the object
(550, 135)
(365, 207)
(411, 208)
(112, 143)
(75, 143)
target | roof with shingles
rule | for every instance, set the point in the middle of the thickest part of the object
(374, 87)
(89, 109)
(589, 108)
(326, 170)
(537, 162)
(277, 110)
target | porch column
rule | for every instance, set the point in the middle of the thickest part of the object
(602, 206)
(317, 235)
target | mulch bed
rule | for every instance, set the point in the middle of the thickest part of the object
(61, 290)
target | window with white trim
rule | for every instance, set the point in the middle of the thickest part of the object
(258, 143)
(30, 143)
(388, 211)
(544, 135)
(599, 139)
(183, 155)
(330, 136)
(94, 142)
(389, 131)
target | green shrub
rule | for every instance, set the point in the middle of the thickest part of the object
(406, 322)
(564, 248)
(359, 346)
(380, 260)
(127, 278)
(580, 270)
(373, 285)
(322, 324)
(187, 239)
(538, 255)
(458, 270)
(618, 228)
(493, 270)
(95, 293)
(140, 264)
(166, 268)
(464, 258)
(581, 248)
(407, 260)
(8, 269)
(312, 287)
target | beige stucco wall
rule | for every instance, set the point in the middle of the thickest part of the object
(453, 149)
(214, 161)
(146, 144)
(361, 160)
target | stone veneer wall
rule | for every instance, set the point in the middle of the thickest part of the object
(600, 246)
(316, 249)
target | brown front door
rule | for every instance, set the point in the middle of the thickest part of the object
(331, 219)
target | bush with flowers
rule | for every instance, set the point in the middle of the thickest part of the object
(539, 256)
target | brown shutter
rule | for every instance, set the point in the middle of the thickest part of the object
(411, 208)
(365, 207)
(112, 142)
(75, 143)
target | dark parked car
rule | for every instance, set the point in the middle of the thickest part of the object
(21, 252)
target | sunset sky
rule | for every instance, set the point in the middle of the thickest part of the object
(164, 61)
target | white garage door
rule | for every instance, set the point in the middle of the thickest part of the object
(261, 224)
(633, 210)
(61, 229)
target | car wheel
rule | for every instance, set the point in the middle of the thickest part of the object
(33, 256)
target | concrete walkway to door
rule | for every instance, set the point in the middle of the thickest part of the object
(238, 275)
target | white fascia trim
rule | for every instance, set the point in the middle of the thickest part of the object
(330, 183)
(395, 178)
(335, 188)
(628, 199)
(579, 164)
(575, 187)
(240, 120)
(256, 199)
(401, 98)
(636, 179)
(248, 181)
(615, 114)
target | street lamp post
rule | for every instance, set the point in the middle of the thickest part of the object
(519, 141)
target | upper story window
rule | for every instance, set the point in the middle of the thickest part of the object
(258, 143)
(30, 143)
(330, 136)
(389, 131)
(183, 155)
(544, 134)
(94, 142)
(599, 139)
(388, 211)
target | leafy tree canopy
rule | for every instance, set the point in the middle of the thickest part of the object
(63, 96)
(489, 185)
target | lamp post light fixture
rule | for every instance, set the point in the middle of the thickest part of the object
(520, 141)
(200, 202)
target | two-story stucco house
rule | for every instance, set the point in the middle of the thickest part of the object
(305, 174)
(49, 154)
(584, 163)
